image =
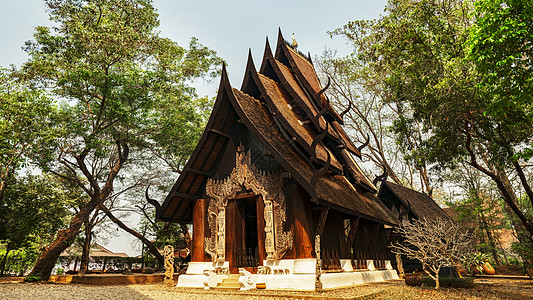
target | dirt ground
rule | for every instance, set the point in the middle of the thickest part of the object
(514, 288)
(485, 288)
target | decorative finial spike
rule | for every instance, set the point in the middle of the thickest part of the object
(224, 71)
(294, 43)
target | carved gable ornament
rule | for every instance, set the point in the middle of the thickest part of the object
(246, 176)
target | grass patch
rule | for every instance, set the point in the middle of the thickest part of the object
(32, 278)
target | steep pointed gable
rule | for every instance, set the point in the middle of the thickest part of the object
(301, 94)
(279, 103)
(305, 72)
(179, 202)
(272, 110)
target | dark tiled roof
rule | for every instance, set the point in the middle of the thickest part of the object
(419, 203)
(279, 100)
(308, 72)
(281, 118)
(334, 189)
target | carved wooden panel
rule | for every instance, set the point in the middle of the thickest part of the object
(245, 176)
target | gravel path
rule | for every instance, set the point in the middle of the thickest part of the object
(485, 289)
(153, 291)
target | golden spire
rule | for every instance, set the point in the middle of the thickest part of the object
(294, 43)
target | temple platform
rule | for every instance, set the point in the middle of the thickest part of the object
(289, 274)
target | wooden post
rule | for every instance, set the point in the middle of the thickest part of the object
(321, 221)
(303, 225)
(374, 237)
(231, 218)
(261, 230)
(199, 219)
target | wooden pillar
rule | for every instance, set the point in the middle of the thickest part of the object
(230, 241)
(303, 223)
(199, 221)
(261, 235)
(374, 237)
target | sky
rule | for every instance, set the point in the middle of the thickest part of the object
(230, 28)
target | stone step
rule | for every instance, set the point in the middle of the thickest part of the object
(232, 282)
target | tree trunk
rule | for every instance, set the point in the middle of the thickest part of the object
(437, 283)
(65, 237)
(2, 187)
(4, 260)
(145, 241)
(75, 264)
(490, 237)
(499, 177)
(86, 247)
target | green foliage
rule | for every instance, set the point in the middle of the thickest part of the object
(119, 83)
(525, 250)
(123, 98)
(26, 118)
(32, 278)
(475, 260)
(34, 208)
(501, 45)
(417, 54)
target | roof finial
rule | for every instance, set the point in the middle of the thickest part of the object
(294, 43)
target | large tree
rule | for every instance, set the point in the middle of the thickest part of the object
(122, 90)
(418, 49)
(501, 46)
(26, 118)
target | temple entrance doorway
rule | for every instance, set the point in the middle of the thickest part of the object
(243, 240)
(247, 255)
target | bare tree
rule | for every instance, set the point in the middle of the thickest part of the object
(435, 243)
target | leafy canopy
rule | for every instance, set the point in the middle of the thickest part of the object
(26, 119)
(34, 208)
(118, 82)
(501, 46)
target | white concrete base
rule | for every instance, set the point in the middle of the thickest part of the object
(195, 276)
(298, 282)
(301, 275)
(284, 265)
(346, 265)
(198, 268)
(339, 280)
(304, 266)
(388, 265)
(192, 281)
(370, 265)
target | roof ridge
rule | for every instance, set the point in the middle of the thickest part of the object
(300, 54)
(266, 77)
(410, 189)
